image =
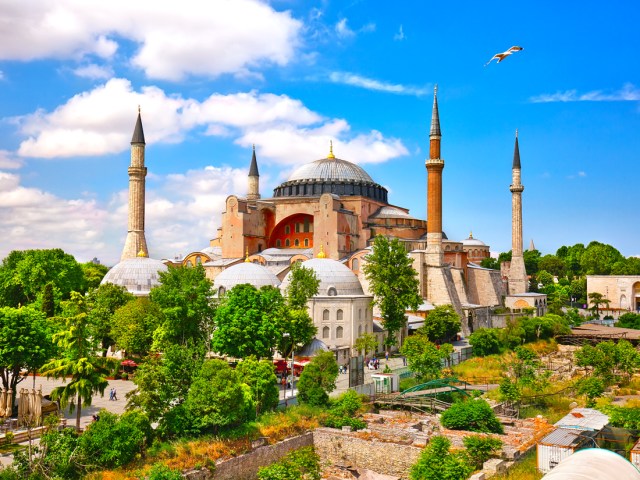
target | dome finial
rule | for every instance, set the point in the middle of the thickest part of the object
(142, 253)
(331, 155)
(246, 259)
(138, 109)
(471, 234)
(321, 253)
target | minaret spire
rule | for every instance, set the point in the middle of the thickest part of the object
(434, 165)
(136, 244)
(517, 277)
(254, 178)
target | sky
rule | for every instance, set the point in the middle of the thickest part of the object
(213, 77)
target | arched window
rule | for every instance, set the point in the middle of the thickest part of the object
(221, 291)
(339, 315)
(198, 260)
(278, 243)
(331, 291)
(359, 330)
(296, 242)
(355, 265)
(287, 243)
(287, 229)
(359, 314)
(306, 242)
(325, 315)
(339, 332)
(325, 332)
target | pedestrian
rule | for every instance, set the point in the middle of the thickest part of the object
(115, 395)
(111, 395)
(386, 355)
(404, 361)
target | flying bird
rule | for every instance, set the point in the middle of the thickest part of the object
(503, 55)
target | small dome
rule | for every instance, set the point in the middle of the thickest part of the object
(335, 278)
(138, 275)
(391, 212)
(331, 169)
(245, 272)
(473, 242)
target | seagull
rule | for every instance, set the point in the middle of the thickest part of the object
(502, 56)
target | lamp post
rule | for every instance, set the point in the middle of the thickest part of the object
(287, 335)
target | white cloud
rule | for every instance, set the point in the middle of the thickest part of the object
(342, 30)
(628, 93)
(94, 71)
(173, 41)
(372, 84)
(400, 35)
(8, 160)
(283, 127)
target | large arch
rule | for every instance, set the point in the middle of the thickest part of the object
(635, 296)
(296, 228)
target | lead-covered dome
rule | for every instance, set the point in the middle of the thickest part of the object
(138, 275)
(473, 242)
(335, 278)
(331, 175)
(245, 272)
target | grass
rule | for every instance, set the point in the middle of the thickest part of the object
(11, 448)
(480, 369)
(526, 469)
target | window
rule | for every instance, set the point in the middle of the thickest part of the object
(325, 332)
(339, 315)
(306, 242)
(306, 225)
(287, 229)
(359, 314)
(221, 291)
(359, 330)
(325, 315)
(339, 332)
(296, 242)
(287, 243)
(331, 291)
(298, 227)
(199, 260)
(355, 265)
(278, 243)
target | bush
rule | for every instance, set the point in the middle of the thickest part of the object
(480, 449)
(302, 464)
(474, 415)
(115, 440)
(485, 341)
(436, 462)
(160, 471)
(318, 379)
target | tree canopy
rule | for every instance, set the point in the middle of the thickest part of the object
(424, 357)
(441, 324)
(318, 379)
(133, 324)
(393, 283)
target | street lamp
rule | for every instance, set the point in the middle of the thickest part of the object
(287, 335)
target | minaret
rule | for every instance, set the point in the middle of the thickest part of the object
(135, 244)
(254, 178)
(532, 247)
(518, 282)
(434, 165)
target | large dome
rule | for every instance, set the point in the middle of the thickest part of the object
(335, 278)
(331, 175)
(331, 169)
(245, 272)
(138, 275)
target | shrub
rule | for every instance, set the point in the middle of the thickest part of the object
(485, 341)
(474, 415)
(436, 462)
(592, 388)
(302, 464)
(318, 379)
(160, 471)
(480, 449)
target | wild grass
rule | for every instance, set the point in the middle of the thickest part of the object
(526, 469)
(481, 369)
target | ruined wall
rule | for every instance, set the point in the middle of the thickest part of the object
(345, 448)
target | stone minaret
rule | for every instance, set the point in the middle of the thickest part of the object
(518, 282)
(435, 165)
(135, 244)
(254, 178)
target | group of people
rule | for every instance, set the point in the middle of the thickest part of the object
(373, 364)
(343, 369)
(113, 396)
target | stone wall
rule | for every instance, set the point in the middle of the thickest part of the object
(245, 467)
(346, 448)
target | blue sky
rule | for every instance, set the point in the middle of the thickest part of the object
(214, 77)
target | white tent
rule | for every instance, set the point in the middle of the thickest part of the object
(595, 463)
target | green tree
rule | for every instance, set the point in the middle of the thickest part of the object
(424, 357)
(597, 299)
(553, 265)
(25, 343)
(531, 260)
(303, 284)
(299, 325)
(599, 258)
(102, 303)
(318, 379)
(93, 274)
(301, 464)
(365, 343)
(545, 278)
(25, 273)
(437, 462)
(504, 257)
(481, 448)
(485, 341)
(260, 376)
(48, 301)
(215, 399)
(85, 373)
(393, 283)
(184, 297)
(490, 262)
(441, 324)
(509, 390)
(474, 415)
(629, 320)
(592, 388)
(133, 324)
(247, 321)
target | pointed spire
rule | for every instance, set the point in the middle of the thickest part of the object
(253, 168)
(321, 253)
(532, 247)
(516, 154)
(138, 133)
(331, 155)
(471, 235)
(435, 117)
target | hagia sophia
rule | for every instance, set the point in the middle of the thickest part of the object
(327, 215)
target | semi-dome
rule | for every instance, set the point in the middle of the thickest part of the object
(138, 275)
(331, 175)
(245, 272)
(473, 242)
(336, 279)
